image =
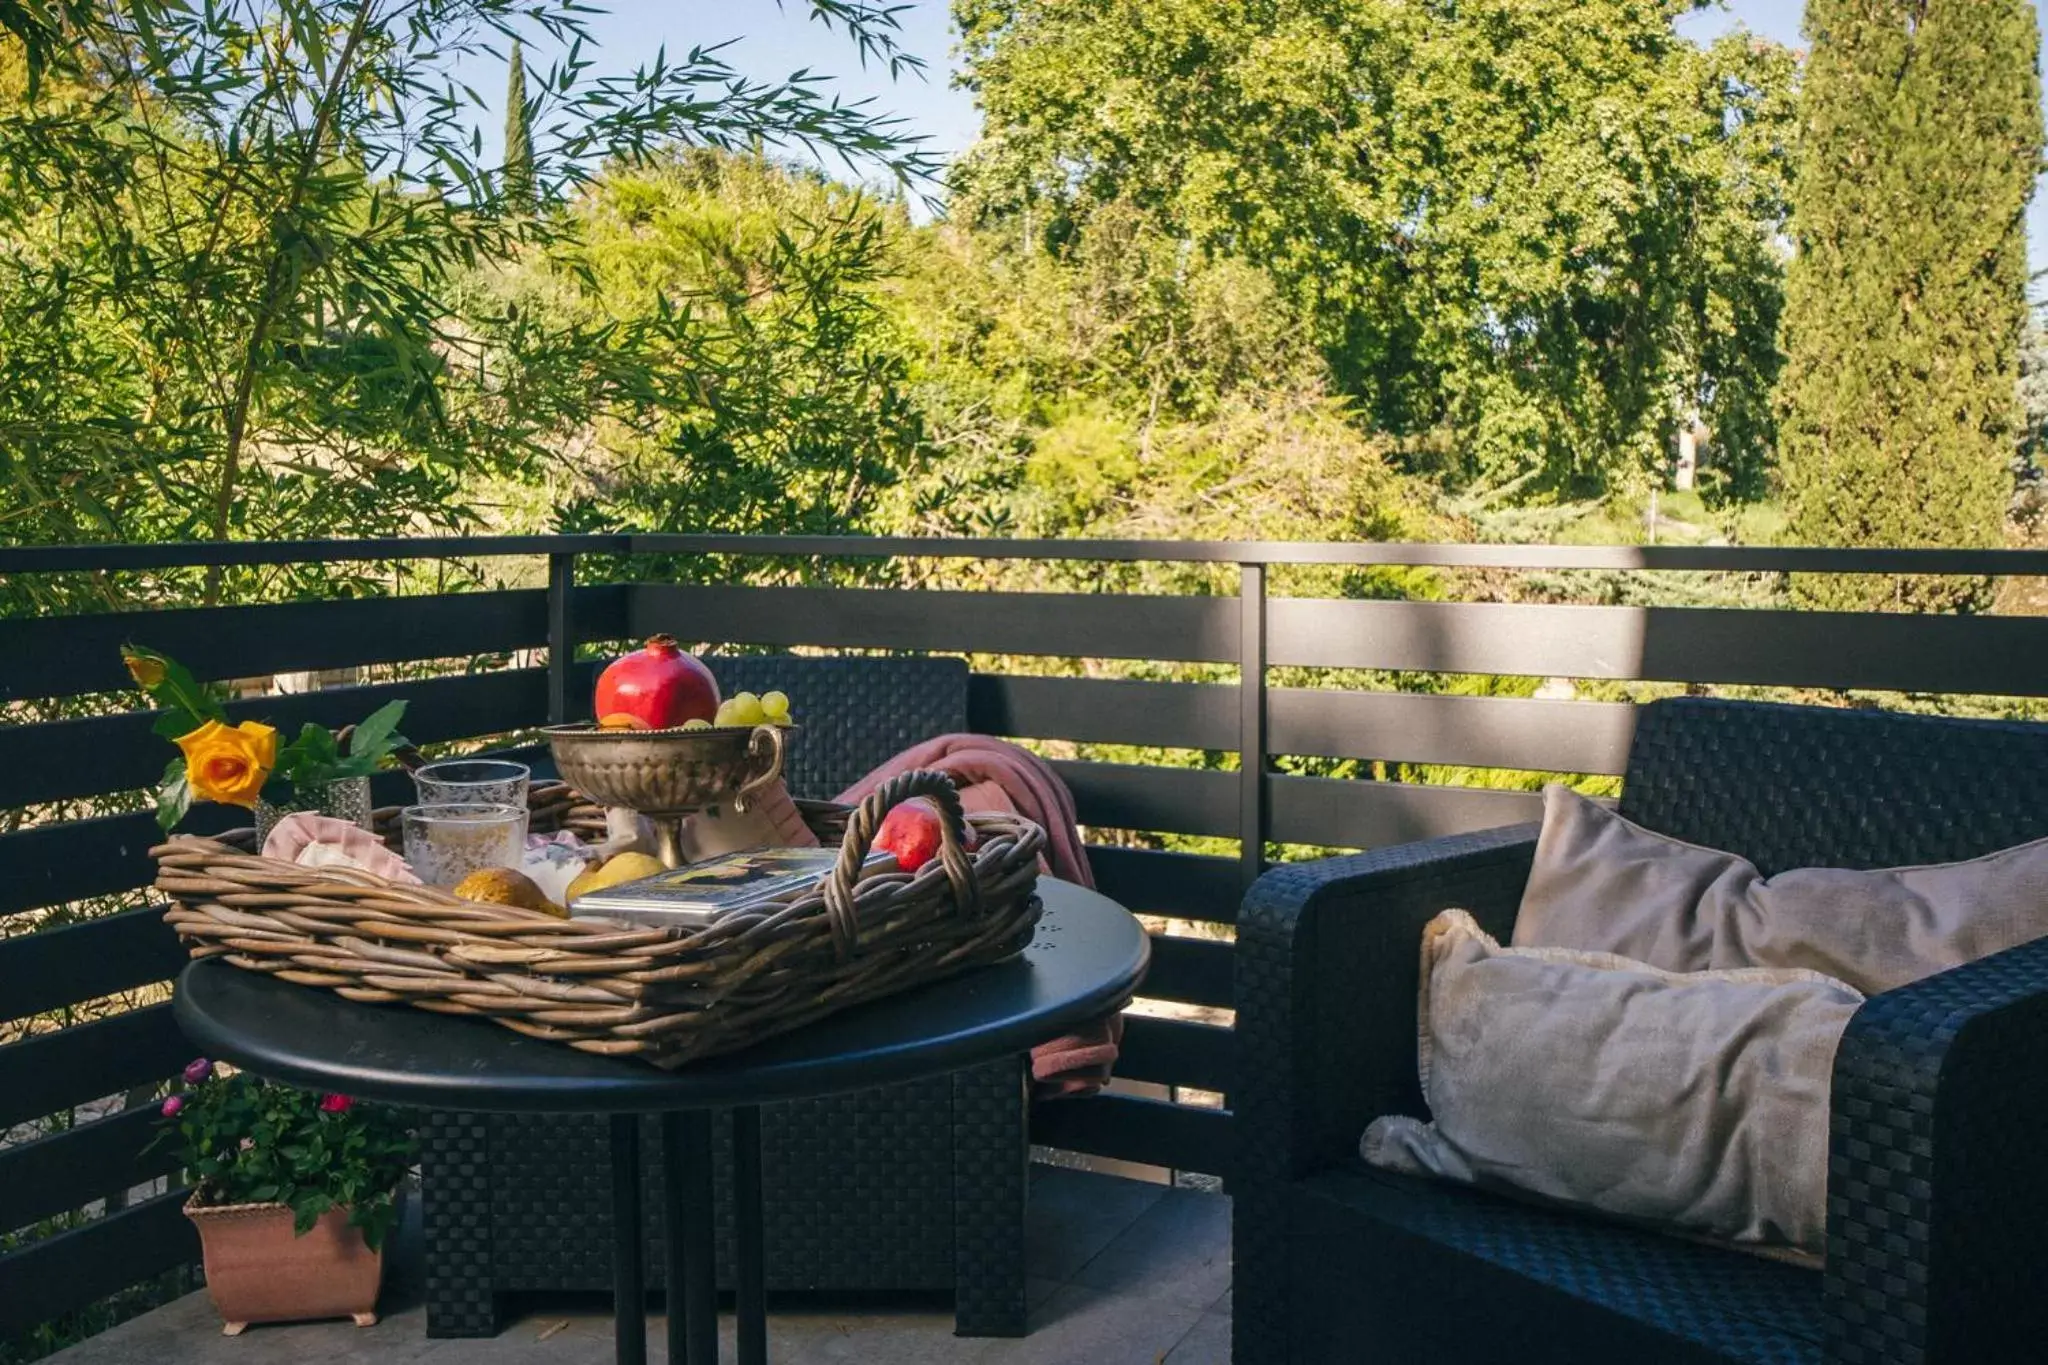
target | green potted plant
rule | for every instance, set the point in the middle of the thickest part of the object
(293, 1194)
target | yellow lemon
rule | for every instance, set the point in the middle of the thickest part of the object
(503, 886)
(626, 867)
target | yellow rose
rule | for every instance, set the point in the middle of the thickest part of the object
(229, 765)
(146, 671)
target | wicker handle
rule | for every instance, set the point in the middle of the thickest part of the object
(860, 837)
(766, 739)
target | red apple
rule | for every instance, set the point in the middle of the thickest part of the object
(911, 831)
(660, 684)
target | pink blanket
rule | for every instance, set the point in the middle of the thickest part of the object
(993, 775)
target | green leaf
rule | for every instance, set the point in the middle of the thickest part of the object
(181, 692)
(173, 796)
(175, 723)
(310, 757)
(378, 734)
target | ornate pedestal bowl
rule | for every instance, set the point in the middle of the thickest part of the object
(668, 774)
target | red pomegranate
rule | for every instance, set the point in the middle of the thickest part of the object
(661, 684)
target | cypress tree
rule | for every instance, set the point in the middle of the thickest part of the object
(518, 136)
(1904, 305)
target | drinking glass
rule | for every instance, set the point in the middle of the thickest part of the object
(473, 781)
(445, 843)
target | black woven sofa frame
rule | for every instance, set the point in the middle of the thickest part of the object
(1937, 1243)
(914, 1187)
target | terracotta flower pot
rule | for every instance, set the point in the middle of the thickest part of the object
(257, 1271)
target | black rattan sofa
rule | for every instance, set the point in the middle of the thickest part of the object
(910, 1187)
(1937, 1247)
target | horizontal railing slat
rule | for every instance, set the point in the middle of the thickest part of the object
(1177, 1052)
(1184, 885)
(195, 554)
(1401, 727)
(1336, 812)
(1104, 711)
(70, 860)
(75, 1268)
(1080, 625)
(69, 655)
(47, 1072)
(1748, 559)
(1127, 1128)
(89, 757)
(1477, 732)
(1194, 971)
(1343, 813)
(70, 1169)
(1142, 797)
(1996, 655)
(52, 968)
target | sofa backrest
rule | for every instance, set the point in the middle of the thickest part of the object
(1806, 786)
(855, 714)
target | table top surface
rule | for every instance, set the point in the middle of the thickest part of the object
(1088, 955)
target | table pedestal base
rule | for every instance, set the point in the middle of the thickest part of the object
(689, 1259)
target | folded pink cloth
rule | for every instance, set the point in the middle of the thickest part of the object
(994, 775)
(312, 840)
(1077, 1063)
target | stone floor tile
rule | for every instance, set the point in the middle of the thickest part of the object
(899, 1338)
(1207, 1343)
(1075, 1215)
(1179, 1248)
(1084, 1326)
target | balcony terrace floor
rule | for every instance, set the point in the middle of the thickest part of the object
(1121, 1272)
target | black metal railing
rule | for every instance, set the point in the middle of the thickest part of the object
(47, 974)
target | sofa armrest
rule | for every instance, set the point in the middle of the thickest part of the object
(1328, 961)
(1937, 1183)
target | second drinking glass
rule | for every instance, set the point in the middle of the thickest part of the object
(446, 843)
(473, 781)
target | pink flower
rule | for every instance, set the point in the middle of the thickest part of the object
(335, 1104)
(173, 1105)
(197, 1070)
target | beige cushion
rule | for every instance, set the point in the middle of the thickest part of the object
(1604, 884)
(1694, 1102)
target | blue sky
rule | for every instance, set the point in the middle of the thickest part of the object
(775, 40)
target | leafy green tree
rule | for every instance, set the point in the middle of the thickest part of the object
(1121, 388)
(1920, 141)
(235, 238)
(755, 290)
(518, 131)
(1528, 235)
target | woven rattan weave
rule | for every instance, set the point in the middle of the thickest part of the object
(665, 997)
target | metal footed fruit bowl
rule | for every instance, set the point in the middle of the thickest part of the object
(666, 775)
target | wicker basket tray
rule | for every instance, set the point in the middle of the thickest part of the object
(668, 998)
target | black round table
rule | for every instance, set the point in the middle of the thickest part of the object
(1087, 957)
